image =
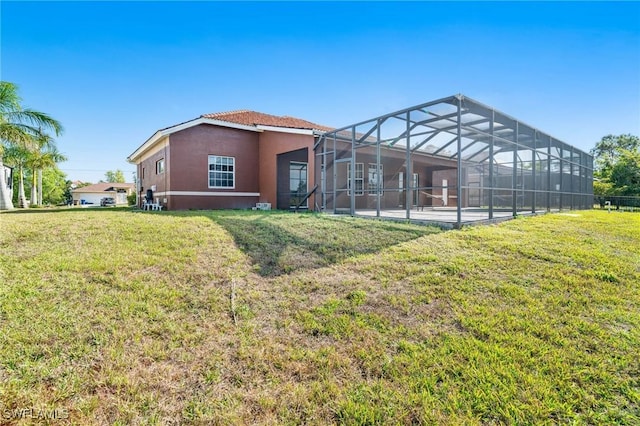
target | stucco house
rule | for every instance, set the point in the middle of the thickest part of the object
(92, 194)
(229, 160)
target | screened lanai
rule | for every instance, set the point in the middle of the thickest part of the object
(451, 161)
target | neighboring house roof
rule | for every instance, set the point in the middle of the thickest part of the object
(241, 119)
(253, 118)
(104, 187)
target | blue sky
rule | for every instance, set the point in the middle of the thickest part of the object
(115, 72)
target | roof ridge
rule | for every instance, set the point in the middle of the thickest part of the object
(256, 118)
(235, 111)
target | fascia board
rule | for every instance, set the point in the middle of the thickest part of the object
(285, 130)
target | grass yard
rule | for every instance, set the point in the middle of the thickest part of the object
(115, 317)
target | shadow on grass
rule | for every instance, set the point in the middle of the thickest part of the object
(279, 242)
(282, 242)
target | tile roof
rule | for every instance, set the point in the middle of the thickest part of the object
(253, 118)
(103, 186)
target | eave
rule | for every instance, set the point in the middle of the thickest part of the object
(161, 134)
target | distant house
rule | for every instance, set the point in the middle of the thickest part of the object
(229, 160)
(77, 183)
(92, 194)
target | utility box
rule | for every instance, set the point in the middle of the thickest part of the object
(263, 206)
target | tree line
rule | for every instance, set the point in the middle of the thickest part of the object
(617, 166)
(26, 140)
(27, 146)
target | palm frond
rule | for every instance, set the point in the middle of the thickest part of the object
(15, 155)
(9, 99)
(34, 119)
(55, 155)
(43, 140)
(16, 134)
(45, 156)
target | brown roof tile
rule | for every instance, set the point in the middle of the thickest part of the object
(253, 118)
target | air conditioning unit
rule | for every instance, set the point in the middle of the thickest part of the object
(263, 206)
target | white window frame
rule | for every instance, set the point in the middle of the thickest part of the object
(160, 166)
(375, 188)
(211, 161)
(359, 178)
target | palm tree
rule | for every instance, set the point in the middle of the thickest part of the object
(41, 142)
(38, 161)
(18, 127)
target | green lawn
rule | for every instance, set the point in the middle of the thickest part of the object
(116, 317)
